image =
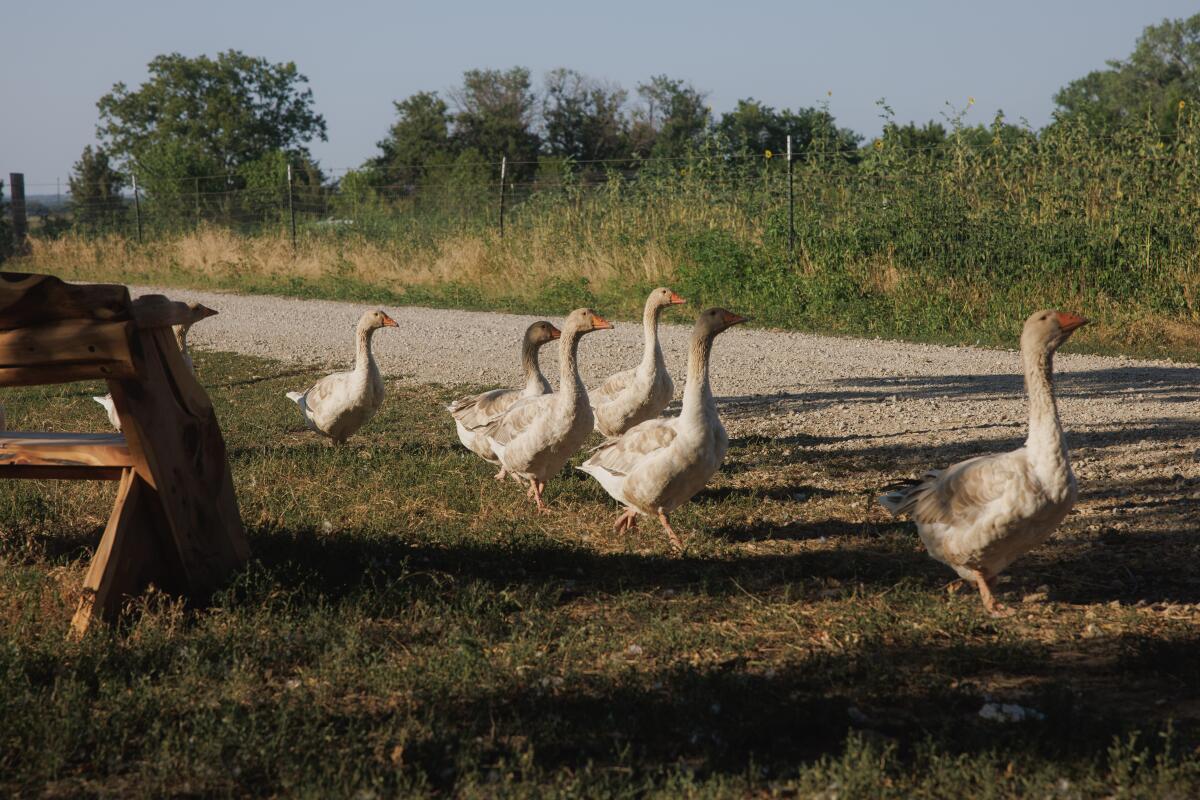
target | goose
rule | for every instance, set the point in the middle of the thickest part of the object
(660, 464)
(199, 312)
(339, 404)
(980, 515)
(474, 413)
(538, 435)
(638, 394)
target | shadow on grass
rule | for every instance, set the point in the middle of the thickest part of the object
(723, 718)
(331, 567)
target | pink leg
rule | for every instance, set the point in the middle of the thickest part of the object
(501, 475)
(662, 517)
(627, 521)
(994, 608)
(538, 488)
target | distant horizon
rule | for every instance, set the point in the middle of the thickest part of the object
(361, 57)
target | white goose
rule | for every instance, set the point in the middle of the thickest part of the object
(199, 312)
(980, 515)
(659, 465)
(341, 403)
(538, 435)
(474, 413)
(638, 394)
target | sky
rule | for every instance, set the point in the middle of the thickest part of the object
(59, 58)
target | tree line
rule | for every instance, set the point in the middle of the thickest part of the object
(199, 129)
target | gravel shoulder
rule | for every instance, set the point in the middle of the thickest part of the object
(911, 404)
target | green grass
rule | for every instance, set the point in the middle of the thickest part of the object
(407, 625)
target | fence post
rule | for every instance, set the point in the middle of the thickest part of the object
(503, 171)
(137, 207)
(791, 202)
(16, 190)
(291, 207)
(196, 186)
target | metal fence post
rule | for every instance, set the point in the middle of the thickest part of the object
(16, 190)
(791, 202)
(503, 171)
(137, 207)
(291, 206)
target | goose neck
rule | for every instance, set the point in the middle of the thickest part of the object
(652, 351)
(1045, 429)
(364, 359)
(570, 385)
(534, 380)
(697, 394)
(181, 332)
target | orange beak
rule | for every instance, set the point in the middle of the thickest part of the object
(676, 300)
(600, 323)
(1069, 322)
(734, 319)
(555, 332)
(388, 322)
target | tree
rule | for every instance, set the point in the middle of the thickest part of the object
(1163, 70)
(95, 188)
(753, 127)
(672, 119)
(583, 118)
(226, 111)
(494, 116)
(420, 134)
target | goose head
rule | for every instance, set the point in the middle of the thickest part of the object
(374, 320)
(663, 297)
(539, 333)
(1045, 331)
(715, 320)
(584, 320)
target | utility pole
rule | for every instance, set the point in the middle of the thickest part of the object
(291, 207)
(791, 202)
(137, 207)
(503, 172)
(16, 189)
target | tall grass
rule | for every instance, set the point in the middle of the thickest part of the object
(958, 242)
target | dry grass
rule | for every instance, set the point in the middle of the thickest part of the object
(218, 256)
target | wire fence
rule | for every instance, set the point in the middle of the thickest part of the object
(1115, 212)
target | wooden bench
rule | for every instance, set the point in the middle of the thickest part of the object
(175, 522)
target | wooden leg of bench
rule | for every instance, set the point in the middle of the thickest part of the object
(128, 557)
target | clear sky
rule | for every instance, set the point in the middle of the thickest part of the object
(58, 58)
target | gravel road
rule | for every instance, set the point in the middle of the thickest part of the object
(1125, 418)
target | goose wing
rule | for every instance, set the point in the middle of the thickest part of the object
(523, 414)
(479, 411)
(612, 388)
(960, 495)
(622, 454)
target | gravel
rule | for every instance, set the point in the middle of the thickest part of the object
(1123, 416)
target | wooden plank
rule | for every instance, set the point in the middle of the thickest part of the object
(156, 311)
(66, 342)
(66, 373)
(42, 472)
(177, 447)
(128, 557)
(30, 299)
(64, 450)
